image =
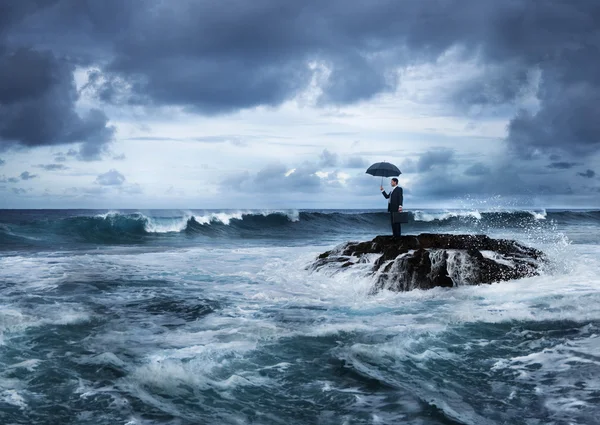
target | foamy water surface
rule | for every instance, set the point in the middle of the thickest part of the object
(239, 331)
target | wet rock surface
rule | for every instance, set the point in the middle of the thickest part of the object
(430, 260)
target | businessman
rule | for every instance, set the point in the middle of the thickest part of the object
(395, 199)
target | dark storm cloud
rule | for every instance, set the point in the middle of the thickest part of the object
(111, 178)
(38, 95)
(563, 165)
(588, 174)
(37, 91)
(220, 57)
(569, 92)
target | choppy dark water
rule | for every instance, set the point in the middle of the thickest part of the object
(206, 317)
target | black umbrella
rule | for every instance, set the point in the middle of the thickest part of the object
(383, 169)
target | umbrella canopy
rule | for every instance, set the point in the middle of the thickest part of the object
(383, 169)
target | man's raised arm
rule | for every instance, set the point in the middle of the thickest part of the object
(385, 195)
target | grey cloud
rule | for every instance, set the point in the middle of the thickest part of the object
(18, 190)
(365, 185)
(13, 180)
(519, 182)
(38, 87)
(303, 179)
(328, 159)
(588, 174)
(52, 167)
(247, 54)
(277, 177)
(2, 162)
(269, 173)
(408, 165)
(354, 77)
(477, 169)
(499, 86)
(432, 158)
(111, 178)
(355, 162)
(568, 93)
(26, 175)
(217, 62)
(62, 156)
(443, 185)
(120, 157)
(563, 165)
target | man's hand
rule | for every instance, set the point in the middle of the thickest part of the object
(381, 188)
(400, 208)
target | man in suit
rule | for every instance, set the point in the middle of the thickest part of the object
(395, 199)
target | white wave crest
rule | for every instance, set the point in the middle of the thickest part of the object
(538, 215)
(221, 217)
(444, 215)
(226, 217)
(428, 216)
(167, 225)
(179, 223)
(108, 215)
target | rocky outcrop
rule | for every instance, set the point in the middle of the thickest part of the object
(430, 260)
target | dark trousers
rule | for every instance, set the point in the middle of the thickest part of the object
(396, 227)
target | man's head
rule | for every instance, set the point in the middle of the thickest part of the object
(394, 182)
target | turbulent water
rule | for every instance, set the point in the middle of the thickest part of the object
(211, 317)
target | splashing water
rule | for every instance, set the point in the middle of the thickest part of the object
(219, 321)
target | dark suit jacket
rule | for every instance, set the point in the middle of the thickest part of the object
(397, 199)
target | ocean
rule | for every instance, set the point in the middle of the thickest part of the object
(212, 317)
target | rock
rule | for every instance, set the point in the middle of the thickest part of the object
(430, 260)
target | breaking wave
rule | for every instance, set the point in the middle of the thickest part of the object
(137, 227)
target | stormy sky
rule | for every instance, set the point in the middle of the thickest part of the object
(284, 104)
